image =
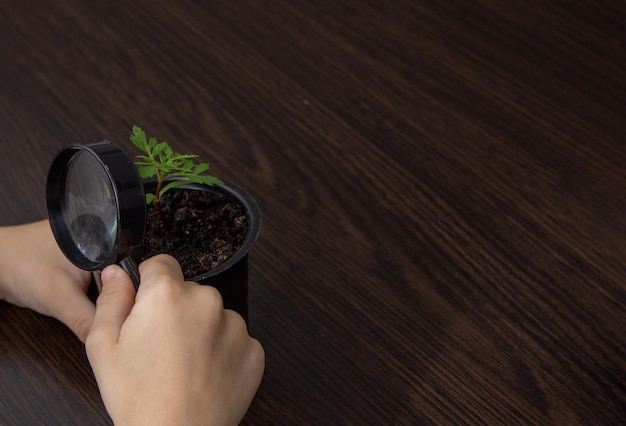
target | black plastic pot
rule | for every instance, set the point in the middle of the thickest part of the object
(231, 277)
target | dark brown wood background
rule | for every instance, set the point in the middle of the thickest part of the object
(443, 187)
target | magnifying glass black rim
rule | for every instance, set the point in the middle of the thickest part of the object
(129, 196)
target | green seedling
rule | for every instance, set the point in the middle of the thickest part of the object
(160, 160)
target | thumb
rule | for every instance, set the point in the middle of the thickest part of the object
(113, 305)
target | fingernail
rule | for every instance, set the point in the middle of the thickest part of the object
(108, 273)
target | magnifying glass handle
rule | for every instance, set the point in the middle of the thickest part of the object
(131, 268)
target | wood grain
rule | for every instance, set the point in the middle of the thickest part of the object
(443, 188)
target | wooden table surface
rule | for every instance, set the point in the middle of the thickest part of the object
(443, 188)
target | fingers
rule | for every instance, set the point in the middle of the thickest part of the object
(161, 278)
(118, 294)
(159, 267)
(113, 305)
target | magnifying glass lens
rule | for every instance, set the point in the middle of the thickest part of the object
(91, 237)
(90, 212)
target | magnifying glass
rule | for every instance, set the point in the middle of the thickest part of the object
(97, 208)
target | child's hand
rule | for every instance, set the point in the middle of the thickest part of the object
(35, 274)
(171, 354)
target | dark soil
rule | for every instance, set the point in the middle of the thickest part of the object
(205, 229)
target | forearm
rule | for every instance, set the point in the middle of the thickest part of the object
(10, 254)
(4, 237)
